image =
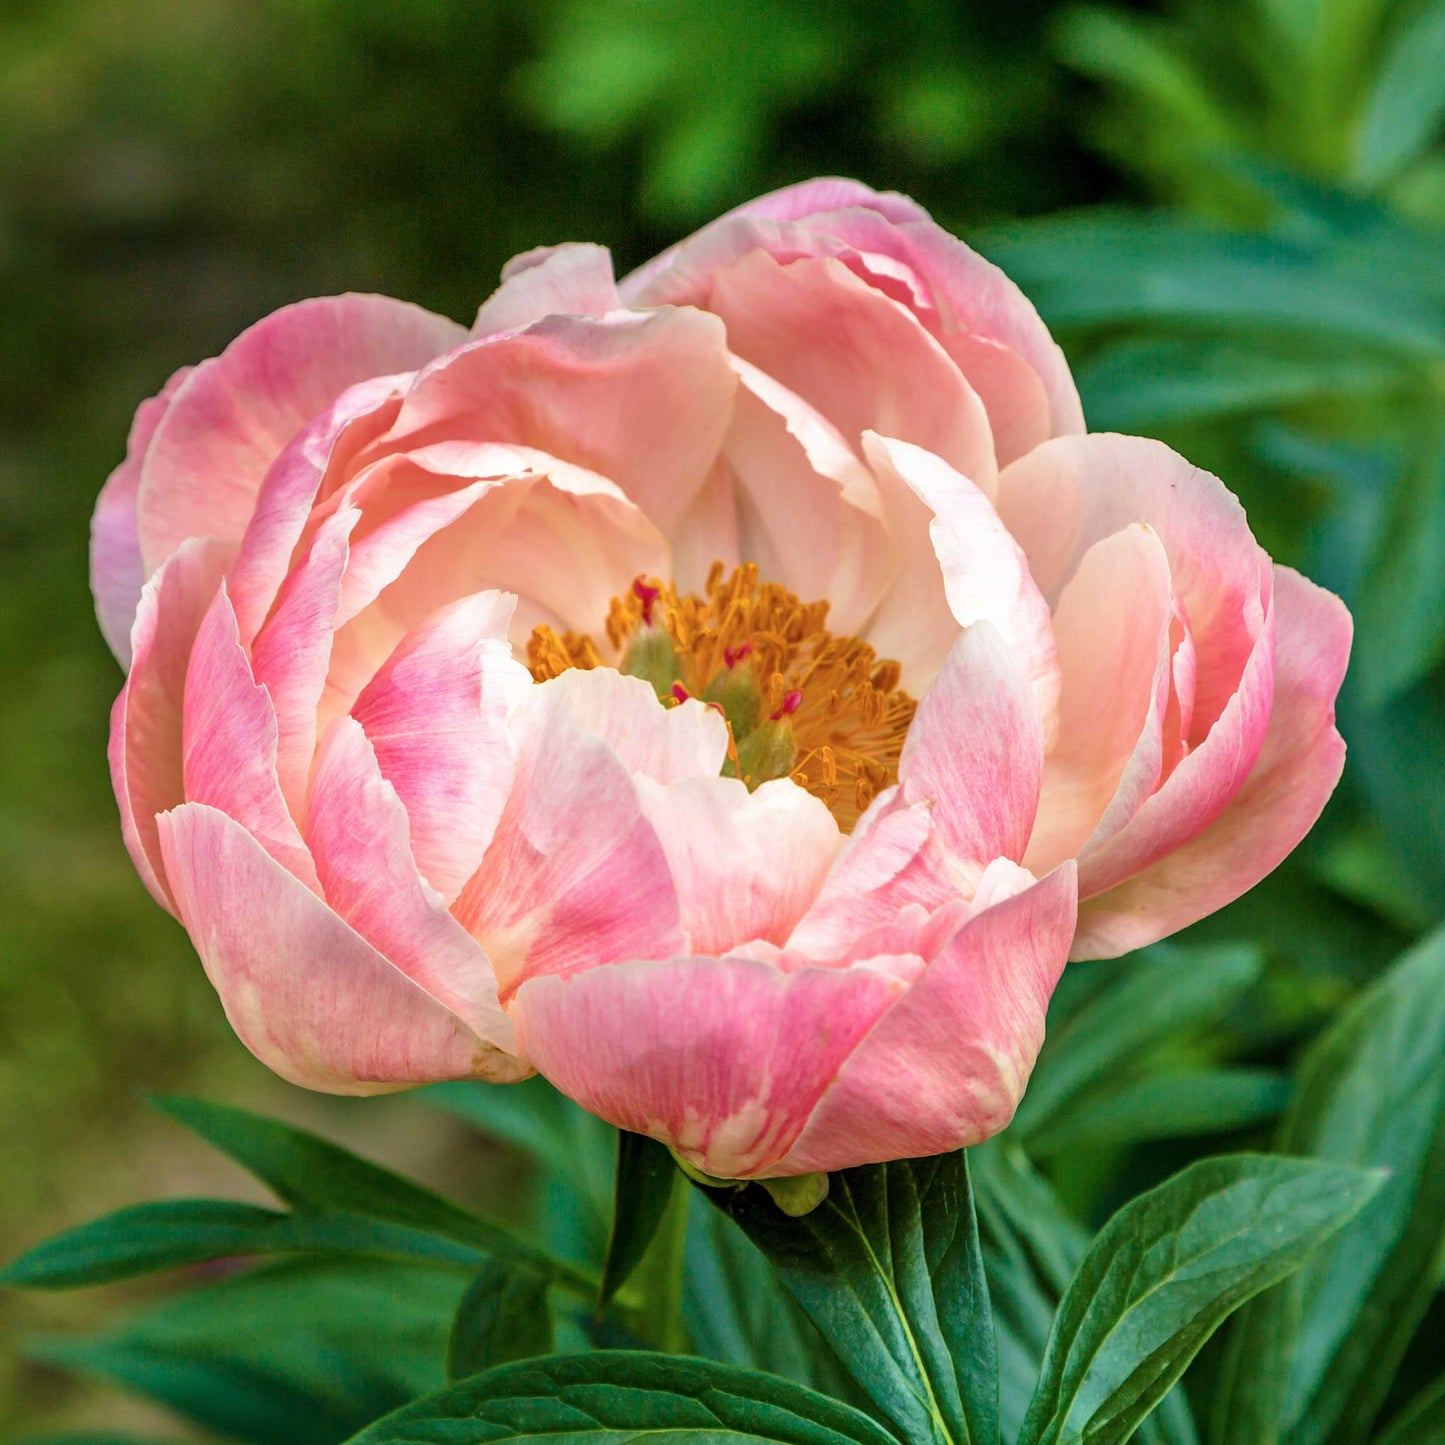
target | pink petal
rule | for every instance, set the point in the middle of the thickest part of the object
(641, 398)
(307, 995)
(1112, 626)
(116, 570)
(940, 518)
(722, 1059)
(320, 451)
(357, 832)
(861, 359)
(293, 652)
(946, 1067)
(233, 415)
(811, 514)
(1286, 790)
(573, 279)
(145, 723)
(574, 876)
(229, 742)
(746, 865)
(974, 753)
(436, 715)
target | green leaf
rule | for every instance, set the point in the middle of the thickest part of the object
(616, 1396)
(83, 1437)
(1421, 1422)
(1169, 1106)
(502, 1317)
(1163, 992)
(1406, 104)
(1313, 1360)
(890, 1271)
(315, 1176)
(176, 1232)
(735, 1311)
(1163, 1274)
(647, 1178)
(294, 1353)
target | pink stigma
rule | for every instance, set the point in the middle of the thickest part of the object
(792, 701)
(647, 594)
(680, 693)
(734, 655)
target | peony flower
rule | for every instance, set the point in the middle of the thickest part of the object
(732, 693)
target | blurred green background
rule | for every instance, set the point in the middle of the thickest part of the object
(1230, 211)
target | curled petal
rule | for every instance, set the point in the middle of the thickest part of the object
(304, 992)
(571, 280)
(723, 1059)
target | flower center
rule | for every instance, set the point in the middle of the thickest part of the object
(825, 711)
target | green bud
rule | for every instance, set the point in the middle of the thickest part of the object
(799, 1195)
(768, 752)
(651, 654)
(736, 691)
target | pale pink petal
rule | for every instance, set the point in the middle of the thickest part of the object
(810, 513)
(1074, 491)
(707, 532)
(974, 753)
(305, 993)
(436, 715)
(1287, 788)
(233, 415)
(641, 398)
(1112, 626)
(721, 1059)
(116, 570)
(292, 652)
(864, 361)
(574, 876)
(574, 279)
(316, 455)
(946, 1067)
(985, 575)
(145, 723)
(229, 742)
(357, 832)
(746, 864)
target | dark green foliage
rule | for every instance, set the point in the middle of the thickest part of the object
(646, 1181)
(502, 1317)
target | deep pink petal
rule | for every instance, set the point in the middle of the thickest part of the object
(305, 993)
(746, 864)
(229, 737)
(943, 523)
(722, 1059)
(116, 570)
(1287, 788)
(946, 1067)
(233, 415)
(436, 714)
(358, 834)
(145, 723)
(574, 279)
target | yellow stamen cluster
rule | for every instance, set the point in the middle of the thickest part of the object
(768, 662)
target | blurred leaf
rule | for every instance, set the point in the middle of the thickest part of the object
(647, 1178)
(175, 1232)
(1406, 105)
(1313, 1360)
(313, 1175)
(502, 1317)
(1165, 1272)
(735, 1311)
(1164, 991)
(1401, 607)
(1421, 1422)
(889, 1269)
(299, 1353)
(618, 1395)
(1169, 1106)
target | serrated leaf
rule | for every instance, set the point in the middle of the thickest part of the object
(1313, 1360)
(647, 1178)
(315, 1176)
(502, 1317)
(1164, 992)
(614, 1396)
(890, 1271)
(1163, 1274)
(173, 1233)
(294, 1353)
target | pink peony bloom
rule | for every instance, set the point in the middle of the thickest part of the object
(733, 693)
